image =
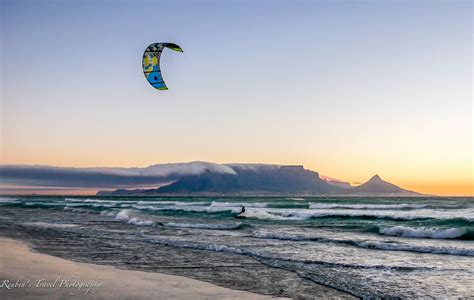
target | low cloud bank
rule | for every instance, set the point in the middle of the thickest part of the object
(48, 176)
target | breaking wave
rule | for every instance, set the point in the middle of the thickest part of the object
(260, 255)
(370, 244)
(124, 217)
(236, 204)
(216, 226)
(365, 206)
(432, 233)
(8, 200)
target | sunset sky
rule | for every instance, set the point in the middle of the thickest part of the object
(346, 88)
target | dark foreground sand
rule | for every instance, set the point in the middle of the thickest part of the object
(28, 275)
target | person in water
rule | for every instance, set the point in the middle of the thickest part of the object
(242, 210)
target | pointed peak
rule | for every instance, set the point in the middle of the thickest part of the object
(376, 177)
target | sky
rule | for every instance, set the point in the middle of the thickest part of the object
(346, 88)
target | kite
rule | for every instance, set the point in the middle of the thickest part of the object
(151, 63)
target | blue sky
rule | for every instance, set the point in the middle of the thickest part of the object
(347, 88)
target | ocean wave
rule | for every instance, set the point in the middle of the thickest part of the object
(177, 203)
(285, 237)
(48, 225)
(104, 205)
(217, 226)
(8, 200)
(72, 199)
(433, 233)
(364, 206)
(295, 199)
(266, 215)
(238, 204)
(108, 213)
(92, 200)
(260, 255)
(416, 248)
(369, 244)
(79, 210)
(305, 214)
(82, 200)
(43, 204)
(124, 217)
(192, 208)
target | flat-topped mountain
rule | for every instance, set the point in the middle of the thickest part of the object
(262, 179)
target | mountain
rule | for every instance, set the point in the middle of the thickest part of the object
(262, 179)
(257, 179)
(376, 186)
(194, 178)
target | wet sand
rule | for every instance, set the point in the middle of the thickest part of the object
(28, 275)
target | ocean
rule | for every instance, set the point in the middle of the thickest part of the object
(365, 247)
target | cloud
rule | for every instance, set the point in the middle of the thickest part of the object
(49, 176)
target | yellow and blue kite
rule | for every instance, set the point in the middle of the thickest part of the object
(151, 63)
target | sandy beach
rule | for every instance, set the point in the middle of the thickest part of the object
(28, 275)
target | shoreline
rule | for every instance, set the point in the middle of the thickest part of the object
(25, 274)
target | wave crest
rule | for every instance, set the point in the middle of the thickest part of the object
(124, 216)
(433, 233)
(217, 226)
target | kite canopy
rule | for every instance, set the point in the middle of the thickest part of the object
(151, 63)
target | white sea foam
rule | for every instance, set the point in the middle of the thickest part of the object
(76, 210)
(91, 200)
(156, 202)
(415, 248)
(176, 203)
(282, 236)
(103, 204)
(108, 213)
(304, 214)
(433, 233)
(364, 206)
(124, 216)
(43, 203)
(68, 204)
(192, 208)
(369, 244)
(265, 215)
(205, 226)
(237, 204)
(8, 200)
(72, 199)
(295, 199)
(48, 225)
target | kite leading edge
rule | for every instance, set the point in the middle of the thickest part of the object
(151, 63)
